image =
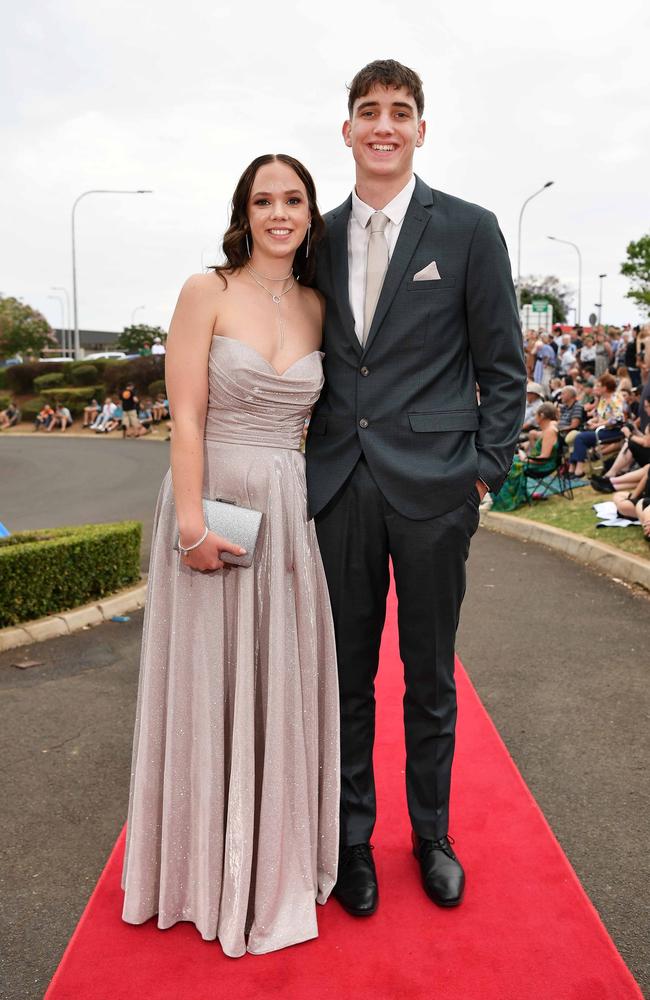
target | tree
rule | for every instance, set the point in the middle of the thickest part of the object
(637, 267)
(549, 288)
(23, 330)
(134, 337)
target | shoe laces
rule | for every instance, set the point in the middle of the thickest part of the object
(361, 851)
(442, 844)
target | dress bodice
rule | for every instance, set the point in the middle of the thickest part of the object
(250, 402)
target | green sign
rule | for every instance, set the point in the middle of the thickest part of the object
(539, 305)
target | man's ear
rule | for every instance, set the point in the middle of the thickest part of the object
(346, 132)
(422, 128)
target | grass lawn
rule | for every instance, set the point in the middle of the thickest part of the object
(578, 516)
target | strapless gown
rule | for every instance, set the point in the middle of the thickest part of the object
(234, 799)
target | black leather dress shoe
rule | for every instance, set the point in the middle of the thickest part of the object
(443, 877)
(356, 884)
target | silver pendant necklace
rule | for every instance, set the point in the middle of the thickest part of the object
(276, 298)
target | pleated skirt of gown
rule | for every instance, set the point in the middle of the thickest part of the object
(234, 800)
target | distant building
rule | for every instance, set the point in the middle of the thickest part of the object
(90, 341)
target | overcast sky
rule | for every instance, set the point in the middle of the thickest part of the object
(179, 97)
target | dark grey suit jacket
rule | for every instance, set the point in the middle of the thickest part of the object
(408, 399)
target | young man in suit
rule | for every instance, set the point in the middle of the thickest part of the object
(420, 310)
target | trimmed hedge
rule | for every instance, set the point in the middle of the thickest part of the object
(20, 378)
(3, 377)
(84, 374)
(4, 401)
(53, 569)
(31, 407)
(155, 387)
(52, 380)
(140, 371)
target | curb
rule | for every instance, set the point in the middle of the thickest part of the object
(68, 622)
(83, 437)
(599, 555)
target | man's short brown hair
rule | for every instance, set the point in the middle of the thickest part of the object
(386, 73)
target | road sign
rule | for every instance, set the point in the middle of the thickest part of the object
(540, 305)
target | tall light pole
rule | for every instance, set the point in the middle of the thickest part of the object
(577, 250)
(137, 309)
(77, 348)
(67, 342)
(521, 213)
(600, 297)
(59, 299)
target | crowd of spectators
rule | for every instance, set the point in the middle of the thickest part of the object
(134, 416)
(587, 406)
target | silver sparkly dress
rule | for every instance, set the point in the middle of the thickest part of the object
(234, 800)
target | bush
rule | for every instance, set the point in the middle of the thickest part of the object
(156, 387)
(99, 364)
(20, 378)
(3, 377)
(84, 374)
(32, 407)
(4, 401)
(49, 381)
(53, 569)
(140, 371)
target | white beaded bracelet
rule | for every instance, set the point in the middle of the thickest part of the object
(183, 550)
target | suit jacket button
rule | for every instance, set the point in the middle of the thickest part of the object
(364, 371)
(363, 423)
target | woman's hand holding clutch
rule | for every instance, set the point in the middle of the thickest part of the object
(206, 557)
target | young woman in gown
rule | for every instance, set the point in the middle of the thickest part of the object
(233, 812)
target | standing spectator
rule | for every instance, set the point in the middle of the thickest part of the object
(145, 350)
(603, 353)
(131, 426)
(588, 355)
(544, 362)
(158, 347)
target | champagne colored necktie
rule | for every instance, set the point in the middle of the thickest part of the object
(376, 269)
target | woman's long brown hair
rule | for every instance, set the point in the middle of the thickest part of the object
(234, 241)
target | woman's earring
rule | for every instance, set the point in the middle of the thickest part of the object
(248, 246)
(308, 235)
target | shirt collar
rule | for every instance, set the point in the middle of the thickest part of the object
(395, 209)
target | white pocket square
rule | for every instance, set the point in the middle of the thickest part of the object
(428, 273)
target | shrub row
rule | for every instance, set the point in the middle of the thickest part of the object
(74, 399)
(53, 569)
(26, 378)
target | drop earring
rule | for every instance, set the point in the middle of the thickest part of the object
(248, 246)
(308, 235)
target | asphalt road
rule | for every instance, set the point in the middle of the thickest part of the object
(558, 655)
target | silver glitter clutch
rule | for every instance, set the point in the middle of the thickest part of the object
(240, 525)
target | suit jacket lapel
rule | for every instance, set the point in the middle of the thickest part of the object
(415, 222)
(338, 240)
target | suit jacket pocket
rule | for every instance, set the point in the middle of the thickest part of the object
(435, 285)
(444, 420)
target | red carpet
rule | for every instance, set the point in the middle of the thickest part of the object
(526, 930)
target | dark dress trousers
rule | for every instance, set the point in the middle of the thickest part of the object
(395, 445)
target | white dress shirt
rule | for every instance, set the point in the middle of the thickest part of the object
(358, 236)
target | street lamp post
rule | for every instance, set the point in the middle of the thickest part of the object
(67, 335)
(521, 213)
(59, 299)
(77, 347)
(577, 250)
(600, 297)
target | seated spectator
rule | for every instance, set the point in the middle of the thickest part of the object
(103, 418)
(534, 399)
(635, 450)
(557, 384)
(145, 415)
(91, 412)
(566, 358)
(160, 409)
(541, 459)
(572, 413)
(116, 419)
(9, 417)
(62, 418)
(44, 418)
(626, 502)
(603, 426)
